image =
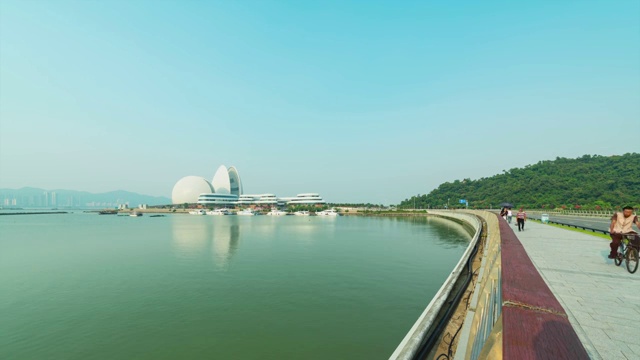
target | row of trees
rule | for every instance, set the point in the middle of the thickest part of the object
(357, 205)
(591, 182)
(310, 208)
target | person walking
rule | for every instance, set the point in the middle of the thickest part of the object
(521, 218)
(509, 215)
(503, 213)
(621, 223)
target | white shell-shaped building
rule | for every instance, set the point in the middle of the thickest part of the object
(227, 181)
(234, 179)
(224, 188)
(189, 188)
(221, 182)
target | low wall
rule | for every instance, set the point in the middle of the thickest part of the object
(411, 344)
(513, 314)
(485, 306)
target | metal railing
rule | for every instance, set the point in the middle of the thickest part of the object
(570, 225)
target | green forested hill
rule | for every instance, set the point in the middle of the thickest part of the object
(588, 182)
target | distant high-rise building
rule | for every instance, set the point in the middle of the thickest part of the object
(54, 199)
(45, 199)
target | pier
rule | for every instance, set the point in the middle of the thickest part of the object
(34, 213)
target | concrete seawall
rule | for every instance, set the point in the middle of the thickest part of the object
(427, 325)
(509, 314)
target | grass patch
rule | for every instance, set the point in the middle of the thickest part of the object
(588, 232)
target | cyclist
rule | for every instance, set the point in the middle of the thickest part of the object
(621, 223)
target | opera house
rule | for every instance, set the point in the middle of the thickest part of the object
(226, 189)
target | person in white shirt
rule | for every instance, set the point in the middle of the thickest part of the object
(621, 223)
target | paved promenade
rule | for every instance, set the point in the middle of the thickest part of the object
(602, 300)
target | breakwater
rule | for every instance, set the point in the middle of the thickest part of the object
(34, 213)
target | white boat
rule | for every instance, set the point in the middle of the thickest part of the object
(246, 212)
(197, 212)
(135, 214)
(276, 212)
(218, 212)
(329, 212)
(301, 213)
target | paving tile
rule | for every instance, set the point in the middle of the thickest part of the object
(595, 334)
(609, 351)
(582, 315)
(618, 310)
(569, 304)
(635, 349)
(590, 322)
(617, 315)
(623, 333)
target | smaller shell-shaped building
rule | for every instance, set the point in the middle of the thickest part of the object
(187, 189)
(236, 184)
(227, 181)
(221, 182)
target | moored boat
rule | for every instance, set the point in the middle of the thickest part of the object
(329, 212)
(276, 212)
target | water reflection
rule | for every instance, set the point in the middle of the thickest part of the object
(189, 237)
(448, 233)
(225, 242)
(219, 237)
(194, 236)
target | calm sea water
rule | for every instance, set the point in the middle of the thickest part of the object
(85, 286)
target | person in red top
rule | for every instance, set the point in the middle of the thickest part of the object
(522, 217)
(621, 223)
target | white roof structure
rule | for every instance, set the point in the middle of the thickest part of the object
(306, 198)
(234, 179)
(187, 189)
(221, 182)
(227, 181)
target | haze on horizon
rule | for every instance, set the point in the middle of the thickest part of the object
(361, 102)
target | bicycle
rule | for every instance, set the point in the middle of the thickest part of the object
(628, 251)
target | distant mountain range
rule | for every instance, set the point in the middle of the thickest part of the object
(33, 197)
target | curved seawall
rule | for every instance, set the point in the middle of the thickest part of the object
(510, 314)
(427, 328)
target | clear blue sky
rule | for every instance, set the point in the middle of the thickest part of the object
(358, 100)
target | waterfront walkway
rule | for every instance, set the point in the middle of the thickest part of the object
(601, 300)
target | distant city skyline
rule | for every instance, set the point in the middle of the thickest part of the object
(360, 102)
(29, 197)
